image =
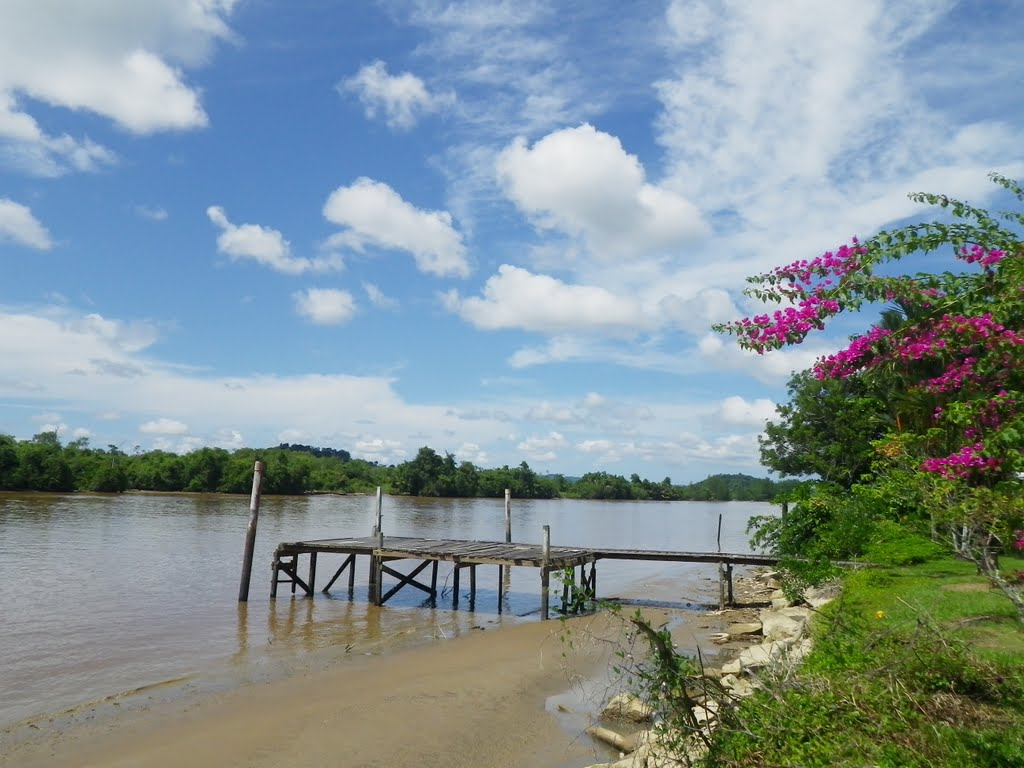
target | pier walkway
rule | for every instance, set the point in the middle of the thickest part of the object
(579, 564)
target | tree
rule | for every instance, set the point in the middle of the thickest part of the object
(826, 429)
(952, 356)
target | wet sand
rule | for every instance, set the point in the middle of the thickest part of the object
(477, 700)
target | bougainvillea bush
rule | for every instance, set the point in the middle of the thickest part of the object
(946, 349)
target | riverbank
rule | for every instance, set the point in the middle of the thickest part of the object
(917, 666)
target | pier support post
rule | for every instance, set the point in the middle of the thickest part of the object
(378, 571)
(274, 570)
(250, 533)
(312, 572)
(545, 574)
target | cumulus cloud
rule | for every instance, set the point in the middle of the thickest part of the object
(517, 298)
(122, 60)
(325, 306)
(263, 245)
(376, 216)
(402, 99)
(18, 225)
(582, 182)
(164, 426)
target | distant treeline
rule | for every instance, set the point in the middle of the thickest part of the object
(44, 464)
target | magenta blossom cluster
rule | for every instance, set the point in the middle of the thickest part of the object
(960, 465)
(807, 283)
(1019, 543)
(978, 254)
(956, 336)
(829, 266)
(786, 326)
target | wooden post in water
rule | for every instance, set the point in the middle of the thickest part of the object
(721, 568)
(377, 564)
(505, 571)
(250, 533)
(376, 531)
(508, 515)
(544, 574)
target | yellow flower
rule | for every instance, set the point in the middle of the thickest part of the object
(879, 614)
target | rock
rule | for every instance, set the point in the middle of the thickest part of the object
(781, 602)
(760, 655)
(767, 576)
(706, 712)
(747, 628)
(626, 706)
(800, 649)
(738, 686)
(819, 596)
(779, 626)
(608, 736)
(733, 667)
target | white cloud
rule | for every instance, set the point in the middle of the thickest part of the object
(516, 298)
(380, 449)
(378, 298)
(151, 212)
(403, 98)
(547, 411)
(772, 368)
(375, 215)
(81, 432)
(543, 447)
(264, 246)
(19, 225)
(581, 181)
(325, 306)
(698, 313)
(120, 59)
(164, 426)
(794, 156)
(472, 453)
(292, 436)
(229, 439)
(182, 445)
(737, 411)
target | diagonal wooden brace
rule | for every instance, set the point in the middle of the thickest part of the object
(349, 561)
(403, 579)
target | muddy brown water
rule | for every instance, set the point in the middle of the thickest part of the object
(112, 596)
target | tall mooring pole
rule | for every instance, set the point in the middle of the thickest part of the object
(250, 533)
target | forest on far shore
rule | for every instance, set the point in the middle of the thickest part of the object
(43, 463)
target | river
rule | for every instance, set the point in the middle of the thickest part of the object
(105, 594)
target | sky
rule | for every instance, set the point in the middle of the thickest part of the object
(500, 229)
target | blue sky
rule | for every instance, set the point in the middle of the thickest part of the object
(501, 229)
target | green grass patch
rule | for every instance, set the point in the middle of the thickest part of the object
(918, 665)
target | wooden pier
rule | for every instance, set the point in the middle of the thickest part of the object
(579, 564)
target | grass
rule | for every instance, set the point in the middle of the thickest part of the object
(914, 666)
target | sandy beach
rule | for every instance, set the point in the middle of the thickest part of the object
(477, 700)
(482, 699)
